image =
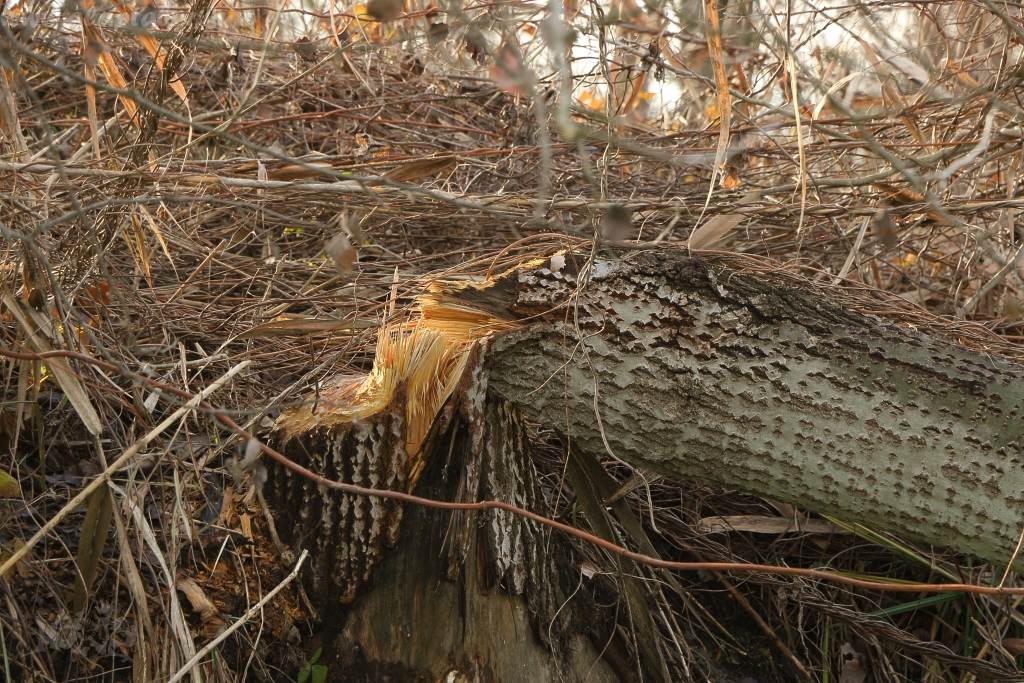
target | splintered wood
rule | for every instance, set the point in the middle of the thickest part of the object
(370, 430)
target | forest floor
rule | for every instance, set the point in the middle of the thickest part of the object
(259, 226)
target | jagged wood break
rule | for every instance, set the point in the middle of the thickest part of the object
(371, 430)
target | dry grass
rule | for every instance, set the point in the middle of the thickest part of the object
(324, 168)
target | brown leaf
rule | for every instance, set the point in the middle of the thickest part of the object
(719, 226)
(340, 250)
(1015, 646)
(144, 20)
(385, 10)
(414, 170)
(95, 528)
(106, 63)
(510, 72)
(296, 172)
(714, 230)
(784, 509)
(883, 227)
(34, 324)
(713, 31)
(853, 670)
(617, 223)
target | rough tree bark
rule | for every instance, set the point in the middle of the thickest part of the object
(675, 364)
(749, 382)
(463, 596)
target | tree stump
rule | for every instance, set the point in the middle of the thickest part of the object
(459, 596)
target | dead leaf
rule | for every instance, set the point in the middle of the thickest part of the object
(853, 669)
(227, 506)
(592, 486)
(340, 250)
(414, 170)
(713, 31)
(144, 20)
(245, 522)
(95, 528)
(718, 227)
(296, 172)
(1015, 646)
(159, 238)
(140, 248)
(784, 509)
(510, 72)
(714, 230)
(106, 63)
(35, 326)
(617, 223)
(883, 227)
(385, 10)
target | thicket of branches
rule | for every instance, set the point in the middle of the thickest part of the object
(191, 192)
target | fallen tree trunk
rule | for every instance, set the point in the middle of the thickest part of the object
(674, 364)
(690, 369)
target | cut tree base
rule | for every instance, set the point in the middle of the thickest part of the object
(461, 596)
(416, 620)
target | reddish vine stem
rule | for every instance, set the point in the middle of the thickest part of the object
(639, 558)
